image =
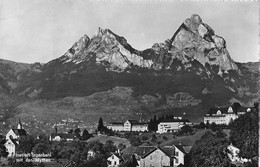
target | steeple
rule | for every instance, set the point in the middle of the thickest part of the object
(56, 128)
(20, 126)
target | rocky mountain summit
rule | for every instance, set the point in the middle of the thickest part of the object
(185, 75)
(193, 41)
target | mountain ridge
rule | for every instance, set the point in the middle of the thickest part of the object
(188, 73)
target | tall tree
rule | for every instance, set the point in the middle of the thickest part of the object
(100, 125)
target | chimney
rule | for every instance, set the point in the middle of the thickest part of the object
(179, 142)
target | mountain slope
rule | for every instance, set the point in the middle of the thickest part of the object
(187, 74)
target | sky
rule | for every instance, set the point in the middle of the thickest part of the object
(42, 30)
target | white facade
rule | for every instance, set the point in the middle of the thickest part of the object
(113, 161)
(11, 135)
(156, 159)
(221, 117)
(116, 127)
(179, 156)
(174, 126)
(10, 146)
(128, 126)
(140, 128)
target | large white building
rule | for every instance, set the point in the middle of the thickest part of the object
(129, 125)
(225, 115)
(172, 125)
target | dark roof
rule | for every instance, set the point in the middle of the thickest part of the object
(175, 120)
(144, 151)
(139, 150)
(14, 141)
(140, 123)
(20, 132)
(116, 123)
(184, 148)
(63, 135)
(224, 110)
(133, 121)
(169, 150)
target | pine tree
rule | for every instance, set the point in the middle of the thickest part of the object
(100, 125)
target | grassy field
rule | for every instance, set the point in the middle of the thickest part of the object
(104, 138)
(185, 140)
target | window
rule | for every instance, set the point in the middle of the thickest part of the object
(177, 161)
(161, 157)
(112, 156)
(151, 157)
(177, 153)
(115, 163)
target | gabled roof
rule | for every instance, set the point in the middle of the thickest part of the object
(169, 151)
(144, 151)
(20, 132)
(224, 110)
(117, 155)
(132, 121)
(116, 123)
(183, 148)
(14, 141)
(139, 150)
(63, 135)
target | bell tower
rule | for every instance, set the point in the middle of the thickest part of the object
(20, 126)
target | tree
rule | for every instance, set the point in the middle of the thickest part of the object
(77, 132)
(100, 125)
(210, 150)
(109, 146)
(244, 134)
(133, 162)
(85, 135)
(202, 125)
(26, 144)
(41, 148)
(3, 150)
(186, 129)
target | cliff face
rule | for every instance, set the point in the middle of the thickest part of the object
(194, 40)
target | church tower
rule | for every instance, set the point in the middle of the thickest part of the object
(20, 126)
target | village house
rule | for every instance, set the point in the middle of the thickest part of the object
(12, 138)
(114, 160)
(129, 126)
(225, 115)
(180, 152)
(172, 125)
(148, 156)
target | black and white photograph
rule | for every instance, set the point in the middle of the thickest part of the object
(129, 83)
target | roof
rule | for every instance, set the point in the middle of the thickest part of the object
(20, 132)
(116, 123)
(139, 150)
(175, 120)
(117, 155)
(140, 123)
(144, 151)
(132, 121)
(184, 148)
(14, 141)
(224, 110)
(63, 135)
